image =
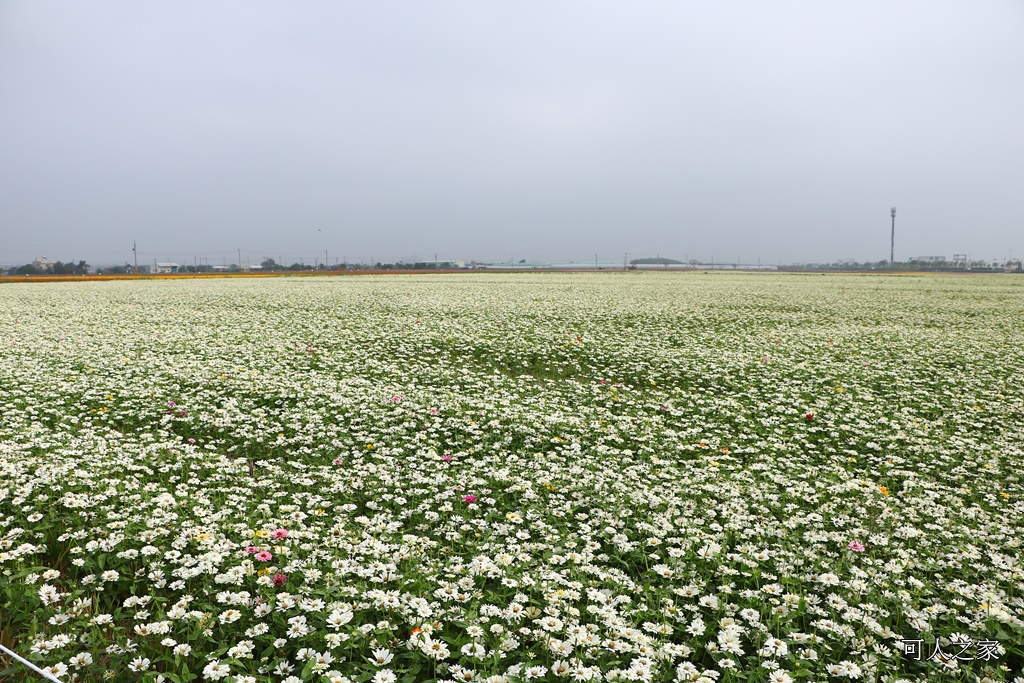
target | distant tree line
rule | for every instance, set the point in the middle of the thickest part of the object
(917, 265)
(56, 268)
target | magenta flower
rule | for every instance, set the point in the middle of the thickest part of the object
(251, 549)
(469, 499)
(856, 546)
(264, 556)
(279, 534)
(279, 580)
(446, 458)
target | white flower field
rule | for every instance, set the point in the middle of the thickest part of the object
(756, 478)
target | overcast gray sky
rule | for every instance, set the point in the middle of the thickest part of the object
(476, 130)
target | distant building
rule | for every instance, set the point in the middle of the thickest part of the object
(44, 263)
(931, 259)
(165, 267)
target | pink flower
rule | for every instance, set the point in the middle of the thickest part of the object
(469, 499)
(446, 458)
(191, 440)
(171, 404)
(279, 534)
(337, 461)
(251, 549)
(264, 556)
(433, 411)
(856, 546)
(279, 580)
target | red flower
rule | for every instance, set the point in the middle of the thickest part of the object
(810, 416)
(279, 580)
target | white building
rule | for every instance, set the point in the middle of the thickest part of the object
(43, 263)
(165, 267)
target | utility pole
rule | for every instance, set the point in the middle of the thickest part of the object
(239, 259)
(136, 254)
(625, 261)
(892, 241)
(327, 262)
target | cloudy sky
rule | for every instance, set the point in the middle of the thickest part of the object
(479, 130)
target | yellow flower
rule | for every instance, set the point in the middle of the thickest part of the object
(885, 491)
(369, 446)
